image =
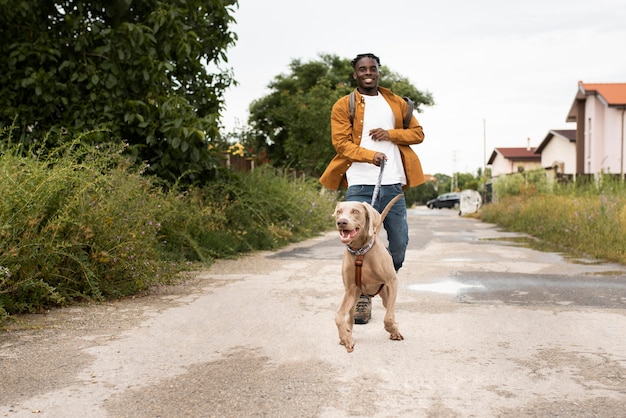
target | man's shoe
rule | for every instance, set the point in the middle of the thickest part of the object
(363, 310)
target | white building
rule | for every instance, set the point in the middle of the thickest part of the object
(598, 111)
(558, 153)
(505, 161)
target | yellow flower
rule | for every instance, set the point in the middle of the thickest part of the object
(236, 149)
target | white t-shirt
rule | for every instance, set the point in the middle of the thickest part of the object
(378, 114)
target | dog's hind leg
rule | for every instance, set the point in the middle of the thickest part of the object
(345, 317)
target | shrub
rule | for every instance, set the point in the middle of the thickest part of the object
(81, 223)
(74, 226)
(262, 209)
(585, 221)
(521, 184)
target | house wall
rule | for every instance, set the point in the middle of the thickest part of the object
(613, 139)
(562, 152)
(603, 138)
(593, 135)
(528, 166)
(502, 166)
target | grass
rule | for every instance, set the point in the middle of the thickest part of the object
(80, 223)
(588, 219)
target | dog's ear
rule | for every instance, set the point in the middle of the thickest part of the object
(373, 218)
(336, 211)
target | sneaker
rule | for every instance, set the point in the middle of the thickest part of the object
(363, 310)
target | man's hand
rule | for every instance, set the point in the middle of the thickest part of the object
(378, 158)
(379, 134)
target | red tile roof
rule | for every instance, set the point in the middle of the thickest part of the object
(516, 154)
(611, 94)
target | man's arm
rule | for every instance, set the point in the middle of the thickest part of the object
(414, 134)
(342, 134)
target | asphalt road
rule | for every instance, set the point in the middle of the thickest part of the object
(492, 327)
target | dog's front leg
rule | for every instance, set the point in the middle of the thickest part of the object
(389, 294)
(345, 317)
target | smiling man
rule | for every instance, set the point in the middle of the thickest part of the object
(376, 134)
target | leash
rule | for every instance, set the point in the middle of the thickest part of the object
(380, 180)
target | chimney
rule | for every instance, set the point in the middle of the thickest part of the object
(528, 144)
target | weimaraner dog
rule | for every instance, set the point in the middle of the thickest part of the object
(367, 267)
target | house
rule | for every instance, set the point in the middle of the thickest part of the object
(598, 110)
(558, 153)
(430, 178)
(505, 161)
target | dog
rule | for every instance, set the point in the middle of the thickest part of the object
(358, 224)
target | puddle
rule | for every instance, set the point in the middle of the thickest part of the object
(449, 287)
(583, 262)
(606, 273)
(528, 241)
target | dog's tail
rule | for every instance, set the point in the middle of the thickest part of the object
(386, 211)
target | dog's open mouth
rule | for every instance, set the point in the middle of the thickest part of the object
(347, 235)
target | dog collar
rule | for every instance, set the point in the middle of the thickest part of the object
(362, 250)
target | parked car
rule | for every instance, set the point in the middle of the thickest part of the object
(447, 200)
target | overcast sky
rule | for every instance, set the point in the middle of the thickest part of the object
(501, 70)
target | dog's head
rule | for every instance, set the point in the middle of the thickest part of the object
(356, 222)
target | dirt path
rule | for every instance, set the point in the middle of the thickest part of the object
(256, 337)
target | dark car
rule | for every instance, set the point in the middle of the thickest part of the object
(448, 200)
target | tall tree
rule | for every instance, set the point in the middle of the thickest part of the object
(292, 123)
(149, 71)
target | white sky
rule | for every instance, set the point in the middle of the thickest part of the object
(510, 66)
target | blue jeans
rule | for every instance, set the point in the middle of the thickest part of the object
(395, 223)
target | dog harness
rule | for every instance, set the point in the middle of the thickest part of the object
(358, 264)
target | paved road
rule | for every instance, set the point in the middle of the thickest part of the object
(492, 327)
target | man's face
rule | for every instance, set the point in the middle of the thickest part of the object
(366, 74)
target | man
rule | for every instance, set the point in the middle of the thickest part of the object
(376, 134)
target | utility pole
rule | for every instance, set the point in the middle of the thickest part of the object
(453, 183)
(484, 146)
(484, 160)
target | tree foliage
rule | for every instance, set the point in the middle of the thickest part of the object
(292, 123)
(147, 71)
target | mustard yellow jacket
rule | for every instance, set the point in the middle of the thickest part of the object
(346, 140)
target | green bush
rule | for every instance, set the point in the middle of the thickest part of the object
(520, 183)
(421, 194)
(262, 209)
(587, 218)
(81, 223)
(75, 225)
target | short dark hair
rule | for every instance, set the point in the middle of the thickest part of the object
(367, 55)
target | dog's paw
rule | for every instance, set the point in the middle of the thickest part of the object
(396, 336)
(349, 346)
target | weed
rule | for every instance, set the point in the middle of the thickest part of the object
(80, 223)
(587, 217)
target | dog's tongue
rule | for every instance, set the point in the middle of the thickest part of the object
(346, 236)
